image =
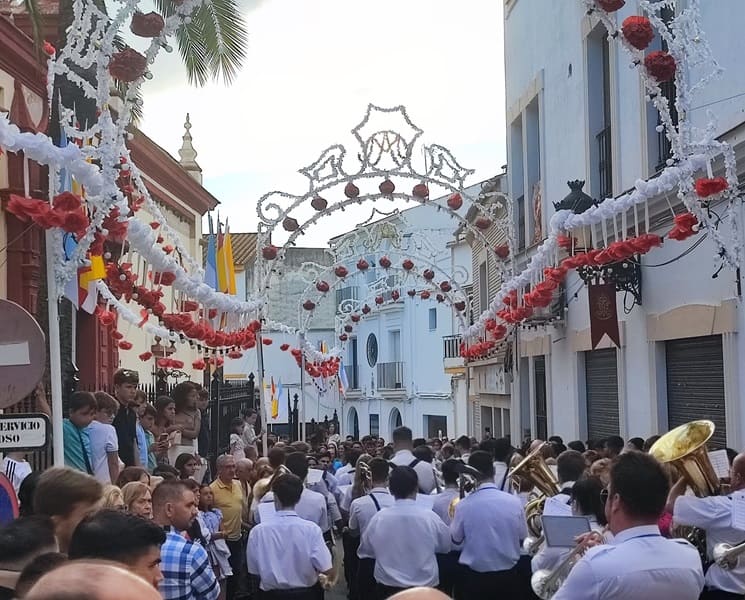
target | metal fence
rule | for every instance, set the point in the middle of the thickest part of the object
(451, 346)
(390, 376)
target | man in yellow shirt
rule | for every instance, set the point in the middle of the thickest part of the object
(228, 495)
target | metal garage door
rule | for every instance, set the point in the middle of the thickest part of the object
(695, 383)
(601, 381)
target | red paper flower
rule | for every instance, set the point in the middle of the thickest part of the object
(49, 50)
(355, 318)
(460, 305)
(610, 5)
(165, 278)
(177, 364)
(212, 313)
(117, 229)
(379, 300)
(420, 191)
(290, 224)
(106, 317)
(384, 262)
(198, 365)
(147, 25)
(366, 309)
(127, 65)
(167, 248)
(255, 325)
(425, 295)
(322, 287)
(348, 328)
(638, 31)
(27, 208)
(708, 187)
(66, 202)
(145, 356)
(351, 190)
(483, 223)
(309, 305)
(445, 286)
(395, 294)
(267, 341)
(341, 271)
(343, 337)
(75, 222)
(408, 264)
(502, 251)
(387, 187)
(154, 224)
(189, 306)
(284, 347)
(362, 265)
(455, 201)
(117, 335)
(428, 274)
(125, 345)
(660, 65)
(319, 203)
(683, 227)
(269, 252)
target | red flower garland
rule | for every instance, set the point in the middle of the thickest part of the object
(638, 31)
(709, 187)
(660, 65)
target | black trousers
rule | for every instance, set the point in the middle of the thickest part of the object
(365, 579)
(311, 593)
(351, 563)
(493, 585)
(450, 570)
(237, 561)
(523, 573)
(712, 594)
(385, 591)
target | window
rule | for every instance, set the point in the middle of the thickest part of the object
(394, 340)
(517, 178)
(374, 425)
(372, 350)
(483, 288)
(520, 225)
(532, 228)
(432, 319)
(599, 114)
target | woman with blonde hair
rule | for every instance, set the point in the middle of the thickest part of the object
(112, 498)
(138, 499)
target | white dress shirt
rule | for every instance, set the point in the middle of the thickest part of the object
(639, 564)
(714, 514)
(344, 474)
(103, 440)
(490, 525)
(287, 552)
(311, 507)
(424, 470)
(362, 511)
(502, 477)
(403, 540)
(441, 503)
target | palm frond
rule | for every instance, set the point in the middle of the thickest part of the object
(225, 37)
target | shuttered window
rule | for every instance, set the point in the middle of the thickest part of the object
(695, 383)
(541, 416)
(601, 381)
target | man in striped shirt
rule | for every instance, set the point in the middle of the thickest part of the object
(187, 573)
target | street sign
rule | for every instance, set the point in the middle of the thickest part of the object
(28, 431)
(22, 353)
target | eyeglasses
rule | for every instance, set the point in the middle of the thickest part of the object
(604, 495)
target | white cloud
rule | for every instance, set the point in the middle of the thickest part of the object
(311, 69)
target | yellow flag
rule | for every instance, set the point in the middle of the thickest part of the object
(275, 401)
(230, 265)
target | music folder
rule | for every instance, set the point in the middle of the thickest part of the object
(561, 531)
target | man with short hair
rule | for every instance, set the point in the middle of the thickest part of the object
(640, 563)
(403, 447)
(404, 538)
(612, 446)
(228, 496)
(79, 580)
(120, 537)
(125, 422)
(66, 496)
(21, 541)
(104, 442)
(186, 567)
(714, 515)
(489, 525)
(463, 447)
(288, 552)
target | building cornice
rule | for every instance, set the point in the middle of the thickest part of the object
(18, 58)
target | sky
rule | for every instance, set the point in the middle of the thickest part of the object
(311, 69)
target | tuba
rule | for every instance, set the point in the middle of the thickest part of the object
(533, 468)
(685, 449)
(467, 482)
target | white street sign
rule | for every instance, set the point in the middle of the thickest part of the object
(23, 432)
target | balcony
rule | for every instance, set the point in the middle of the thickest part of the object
(451, 357)
(390, 376)
(353, 378)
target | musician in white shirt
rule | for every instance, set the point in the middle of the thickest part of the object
(639, 563)
(448, 563)
(361, 512)
(403, 445)
(288, 552)
(490, 526)
(714, 515)
(404, 539)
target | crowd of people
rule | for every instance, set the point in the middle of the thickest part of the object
(138, 497)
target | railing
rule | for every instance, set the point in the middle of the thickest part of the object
(605, 163)
(390, 376)
(451, 346)
(353, 376)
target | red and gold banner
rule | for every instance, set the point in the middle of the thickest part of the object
(603, 313)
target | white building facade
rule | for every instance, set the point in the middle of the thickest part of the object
(576, 110)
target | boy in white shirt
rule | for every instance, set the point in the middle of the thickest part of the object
(15, 468)
(104, 441)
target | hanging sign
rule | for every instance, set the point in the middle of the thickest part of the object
(603, 313)
(23, 432)
(22, 353)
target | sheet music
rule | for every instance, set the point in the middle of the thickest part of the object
(314, 476)
(738, 510)
(720, 462)
(561, 532)
(559, 507)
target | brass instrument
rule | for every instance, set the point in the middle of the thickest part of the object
(727, 556)
(546, 583)
(684, 448)
(531, 544)
(534, 469)
(467, 482)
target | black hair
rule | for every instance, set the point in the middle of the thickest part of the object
(297, 463)
(556, 439)
(637, 443)
(25, 537)
(115, 535)
(570, 465)
(249, 412)
(417, 442)
(81, 400)
(586, 493)
(614, 443)
(26, 493)
(167, 491)
(276, 457)
(236, 423)
(180, 394)
(641, 483)
(36, 569)
(450, 471)
(181, 461)
(650, 441)
(130, 474)
(403, 481)
(482, 462)
(402, 434)
(731, 454)
(464, 442)
(352, 455)
(488, 445)
(167, 472)
(577, 445)
(424, 453)
(288, 489)
(379, 469)
(502, 450)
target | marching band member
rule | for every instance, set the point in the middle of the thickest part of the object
(570, 466)
(714, 515)
(640, 563)
(403, 445)
(404, 538)
(358, 489)
(361, 511)
(489, 525)
(288, 552)
(448, 563)
(360, 483)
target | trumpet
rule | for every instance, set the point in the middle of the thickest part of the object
(726, 555)
(546, 583)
